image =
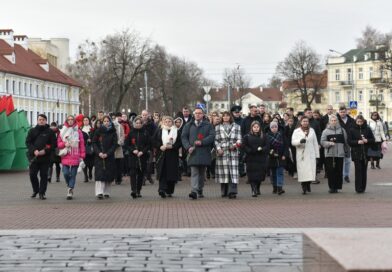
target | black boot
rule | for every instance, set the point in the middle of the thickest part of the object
(308, 187)
(304, 188)
(275, 190)
(372, 165)
(281, 191)
(254, 190)
(378, 164)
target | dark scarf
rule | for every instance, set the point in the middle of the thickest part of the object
(276, 141)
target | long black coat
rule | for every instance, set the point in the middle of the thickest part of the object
(359, 152)
(89, 159)
(256, 161)
(167, 159)
(104, 141)
(138, 139)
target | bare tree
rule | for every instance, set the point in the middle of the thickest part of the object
(274, 82)
(237, 79)
(303, 67)
(370, 38)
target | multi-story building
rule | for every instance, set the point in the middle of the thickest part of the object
(270, 97)
(357, 76)
(55, 50)
(36, 85)
(293, 97)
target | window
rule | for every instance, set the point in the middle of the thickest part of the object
(36, 91)
(318, 98)
(360, 73)
(360, 95)
(7, 86)
(25, 89)
(337, 97)
(337, 74)
(349, 75)
(348, 96)
(13, 87)
(31, 90)
(390, 95)
(370, 72)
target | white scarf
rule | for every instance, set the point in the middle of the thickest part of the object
(70, 135)
(169, 138)
(86, 129)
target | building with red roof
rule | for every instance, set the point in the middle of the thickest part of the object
(36, 85)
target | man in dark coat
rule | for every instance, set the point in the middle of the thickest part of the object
(347, 123)
(247, 121)
(150, 127)
(40, 142)
(186, 118)
(197, 138)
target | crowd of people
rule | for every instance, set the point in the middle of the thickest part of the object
(223, 146)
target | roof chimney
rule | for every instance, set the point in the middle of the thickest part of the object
(22, 40)
(8, 36)
(261, 89)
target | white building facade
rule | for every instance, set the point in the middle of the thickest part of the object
(35, 85)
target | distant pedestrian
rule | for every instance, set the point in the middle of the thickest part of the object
(55, 159)
(197, 138)
(70, 143)
(256, 148)
(40, 142)
(87, 131)
(167, 142)
(104, 144)
(305, 140)
(139, 144)
(279, 152)
(227, 145)
(334, 140)
(374, 152)
(360, 139)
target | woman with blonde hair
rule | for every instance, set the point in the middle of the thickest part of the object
(167, 142)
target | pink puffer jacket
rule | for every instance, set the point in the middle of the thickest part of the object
(75, 153)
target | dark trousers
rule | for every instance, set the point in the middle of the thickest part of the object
(229, 189)
(125, 168)
(50, 170)
(255, 185)
(41, 167)
(136, 180)
(211, 169)
(88, 172)
(119, 171)
(334, 168)
(360, 175)
(241, 164)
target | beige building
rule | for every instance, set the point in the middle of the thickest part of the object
(292, 95)
(34, 83)
(55, 50)
(356, 76)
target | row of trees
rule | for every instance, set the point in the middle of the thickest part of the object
(112, 73)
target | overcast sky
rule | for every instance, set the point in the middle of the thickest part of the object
(256, 34)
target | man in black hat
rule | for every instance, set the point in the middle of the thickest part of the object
(236, 112)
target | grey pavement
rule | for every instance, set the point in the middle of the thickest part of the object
(158, 250)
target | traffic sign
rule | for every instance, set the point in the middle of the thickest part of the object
(353, 104)
(353, 112)
(201, 105)
(207, 97)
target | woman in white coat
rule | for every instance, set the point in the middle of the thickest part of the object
(304, 139)
(374, 152)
